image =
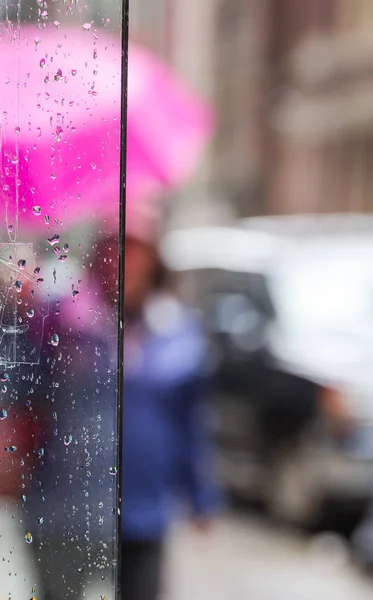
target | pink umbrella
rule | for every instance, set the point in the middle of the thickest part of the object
(60, 114)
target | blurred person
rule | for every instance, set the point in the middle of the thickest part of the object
(166, 449)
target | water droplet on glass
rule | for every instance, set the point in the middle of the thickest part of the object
(39, 281)
(36, 211)
(67, 439)
(22, 264)
(10, 227)
(66, 248)
(59, 132)
(18, 286)
(41, 452)
(53, 176)
(57, 250)
(37, 270)
(63, 258)
(95, 53)
(46, 219)
(74, 293)
(10, 449)
(4, 377)
(58, 75)
(57, 24)
(30, 313)
(40, 520)
(94, 166)
(42, 63)
(24, 499)
(73, 72)
(3, 414)
(54, 239)
(55, 340)
(113, 471)
(87, 26)
(17, 130)
(28, 538)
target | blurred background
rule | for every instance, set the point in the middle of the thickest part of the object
(286, 300)
(291, 84)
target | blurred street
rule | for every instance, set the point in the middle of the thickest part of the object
(247, 558)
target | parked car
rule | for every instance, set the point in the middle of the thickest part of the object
(288, 307)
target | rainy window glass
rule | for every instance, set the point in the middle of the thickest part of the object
(60, 170)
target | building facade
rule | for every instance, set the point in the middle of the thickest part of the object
(292, 83)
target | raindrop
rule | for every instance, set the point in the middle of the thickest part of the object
(39, 281)
(94, 166)
(22, 264)
(11, 449)
(57, 250)
(54, 239)
(46, 219)
(18, 286)
(40, 520)
(58, 75)
(36, 211)
(57, 24)
(53, 176)
(113, 471)
(10, 227)
(66, 248)
(41, 452)
(30, 313)
(4, 377)
(95, 53)
(24, 499)
(63, 258)
(55, 340)
(67, 439)
(74, 293)
(17, 130)
(73, 72)
(3, 414)
(28, 538)
(37, 270)
(42, 63)
(59, 132)
(87, 26)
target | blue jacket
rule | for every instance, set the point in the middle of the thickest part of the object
(166, 449)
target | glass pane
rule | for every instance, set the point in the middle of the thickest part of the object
(60, 169)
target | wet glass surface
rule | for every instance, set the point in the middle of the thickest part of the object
(60, 128)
